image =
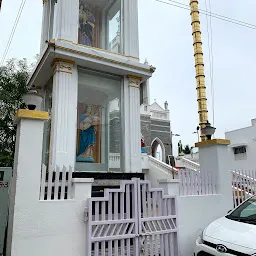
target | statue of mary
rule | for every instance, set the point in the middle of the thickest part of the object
(87, 136)
(86, 24)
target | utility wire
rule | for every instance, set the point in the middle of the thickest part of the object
(13, 31)
(209, 36)
(214, 15)
(212, 78)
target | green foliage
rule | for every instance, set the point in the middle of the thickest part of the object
(13, 78)
(187, 150)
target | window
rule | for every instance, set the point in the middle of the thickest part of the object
(1, 175)
(100, 24)
(245, 212)
(98, 125)
(240, 153)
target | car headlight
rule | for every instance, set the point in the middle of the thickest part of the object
(200, 238)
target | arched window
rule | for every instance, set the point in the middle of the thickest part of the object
(158, 149)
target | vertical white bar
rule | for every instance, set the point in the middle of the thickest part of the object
(154, 204)
(116, 203)
(42, 191)
(63, 183)
(149, 203)
(193, 183)
(110, 218)
(70, 171)
(128, 201)
(56, 184)
(49, 188)
(144, 208)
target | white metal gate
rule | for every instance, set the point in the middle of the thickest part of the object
(133, 220)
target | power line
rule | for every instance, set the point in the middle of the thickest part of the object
(212, 78)
(214, 15)
(13, 31)
(209, 36)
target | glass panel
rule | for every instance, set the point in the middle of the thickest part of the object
(99, 24)
(98, 129)
(114, 27)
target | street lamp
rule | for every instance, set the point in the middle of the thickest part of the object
(197, 132)
(208, 130)
(175, 134)
(32, 99)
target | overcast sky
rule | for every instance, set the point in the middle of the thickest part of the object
(166, 41)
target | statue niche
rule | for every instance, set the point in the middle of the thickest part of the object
(88, 33)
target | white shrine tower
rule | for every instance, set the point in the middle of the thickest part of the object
(90, 60)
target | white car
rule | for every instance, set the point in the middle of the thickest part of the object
(234, 234)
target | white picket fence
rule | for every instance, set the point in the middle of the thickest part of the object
(56, 184)
(196, 183)
(243, 185)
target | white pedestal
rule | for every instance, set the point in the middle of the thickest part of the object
(26, 174)
(213, 158)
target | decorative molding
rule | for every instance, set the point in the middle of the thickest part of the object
(103, 58)
(134, 81)
(56, 60)
(31, 114)
(212, 142)
(98, 49)
(62, 66)
(134, 77)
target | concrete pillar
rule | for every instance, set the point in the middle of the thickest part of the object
(82, 191)
(171, 186)
(67, 13)
(213, 158)
(64, 113)
(45, 24)
(27, 172)
(134, 123)
(131, 29)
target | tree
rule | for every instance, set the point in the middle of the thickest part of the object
(187, 150)
(13, 84)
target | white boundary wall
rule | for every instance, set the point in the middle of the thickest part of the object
(195, 212)
(53, 227)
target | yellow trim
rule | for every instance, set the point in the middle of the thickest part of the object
(99, 49)
(102, 58)
(62, 60)
(212, 142)
(134, 86)
(134, 77)
(31, 114)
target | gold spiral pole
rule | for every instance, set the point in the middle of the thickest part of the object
(199, 66)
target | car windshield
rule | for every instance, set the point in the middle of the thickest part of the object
(246, 212)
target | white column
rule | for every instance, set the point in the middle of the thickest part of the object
(171, 186)
(82, 192)
(134, 121)
(125, 127)
(45, 24)
(213, 158)
(67, 20)
(131, 30)
(64, 113)
(26, 173)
